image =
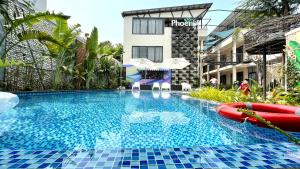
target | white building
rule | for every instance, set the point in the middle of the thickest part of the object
(226, 59)
(160, 34)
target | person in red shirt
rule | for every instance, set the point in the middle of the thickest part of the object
(244, 88)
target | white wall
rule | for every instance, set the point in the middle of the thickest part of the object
(130, 40)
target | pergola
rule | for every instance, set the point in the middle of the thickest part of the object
(269, 38)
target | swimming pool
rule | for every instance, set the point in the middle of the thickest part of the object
(114, 120)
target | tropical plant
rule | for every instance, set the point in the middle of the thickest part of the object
(108, 68)
(42, 37)
(293, 74)
(30, 20)
(255, 92)
(63, 55)
(16, 26)
(269, 124)
(12, 62)
(270, 8)
(107, 48)
(237, 33)
(92, 53)
(3, 10)
(214, 94)
(258, 10)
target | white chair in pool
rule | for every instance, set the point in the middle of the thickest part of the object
(155, 94)
(156, 86)
(186, 87)
(166, 94)
(136, 86)
(136, 94)
(166, 87)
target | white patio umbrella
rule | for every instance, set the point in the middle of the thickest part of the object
(142, 63)
(175, 63)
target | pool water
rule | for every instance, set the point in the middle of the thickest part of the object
(113, 120)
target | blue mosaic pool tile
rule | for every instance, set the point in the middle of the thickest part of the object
(254, 156)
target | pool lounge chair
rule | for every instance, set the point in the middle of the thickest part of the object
(136, 86)
(156, 86)
(166, 87)
(186, 87)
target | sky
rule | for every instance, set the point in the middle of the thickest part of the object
(106, 14)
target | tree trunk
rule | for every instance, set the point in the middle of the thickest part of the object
(107, 79)
(286, 7)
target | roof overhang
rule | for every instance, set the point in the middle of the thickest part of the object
(187, 11)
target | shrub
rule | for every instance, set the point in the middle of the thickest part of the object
(210, 93)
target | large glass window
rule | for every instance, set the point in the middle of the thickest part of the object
(147, 26)
(144, 26)
(153, 53)
(136, 26)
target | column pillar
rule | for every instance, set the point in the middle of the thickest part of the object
(246, 73)
(233, 60)
(218, 66)
(200, 68)
(264, 72)
(207, 73)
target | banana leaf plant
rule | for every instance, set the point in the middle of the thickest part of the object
(91, 59)
(65, 56)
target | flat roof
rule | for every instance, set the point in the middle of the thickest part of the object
(167, 9)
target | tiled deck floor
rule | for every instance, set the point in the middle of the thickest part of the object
(254, 156)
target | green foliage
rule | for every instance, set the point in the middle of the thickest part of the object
(3, 10)
(256, 92)
(107, 48)
(43, 37)
(277, 96)
(92, 48)
(12, 62)
(209, 93)
(269, 124)
(32, 19)
(108, 69)
(258, 10)
(293, 74)
(236, 33)
(65, 54)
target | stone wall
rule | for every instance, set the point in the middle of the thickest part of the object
(28, 78)
(184, 45)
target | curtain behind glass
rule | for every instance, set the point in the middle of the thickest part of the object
(151, 53)
(159, 26)
(144, 26)
(158, 54)
(136, 26)
(135, 52)
(151, 26)
(143, 52)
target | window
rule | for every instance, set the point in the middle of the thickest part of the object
(147, 26)
(136, 26)
(153, 53)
